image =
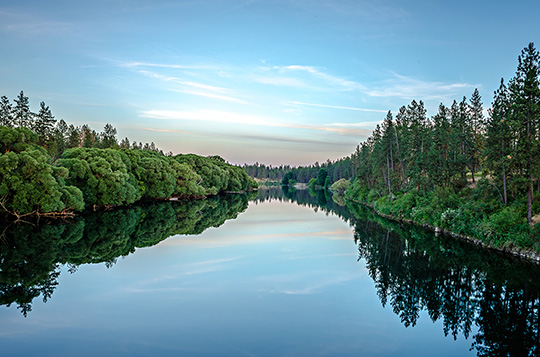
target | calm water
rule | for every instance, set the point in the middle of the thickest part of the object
(294, 276)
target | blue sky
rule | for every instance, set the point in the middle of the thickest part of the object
(278, 82)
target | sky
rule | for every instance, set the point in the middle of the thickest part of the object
(275, 82)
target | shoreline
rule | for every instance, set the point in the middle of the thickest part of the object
(510, 249)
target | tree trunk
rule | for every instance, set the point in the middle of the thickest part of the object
(504, 186)
(530, 194)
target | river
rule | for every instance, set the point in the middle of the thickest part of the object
(281, 274)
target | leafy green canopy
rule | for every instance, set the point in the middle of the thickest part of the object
(28, 181)
(101, 175)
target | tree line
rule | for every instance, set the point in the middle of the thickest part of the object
(51, 170)
(335, 170)
(56, 135)
(475, 174)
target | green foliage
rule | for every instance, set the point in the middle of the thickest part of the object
(28, 184)
(16, 139)
(340, 186)
(101, 175)
(505, 225)
(321, 176)
(156, 175)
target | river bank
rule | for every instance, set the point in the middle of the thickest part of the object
(509, 248)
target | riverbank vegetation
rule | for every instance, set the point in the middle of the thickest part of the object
(57, 169)
(459, 170)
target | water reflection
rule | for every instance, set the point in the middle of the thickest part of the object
(32, 253)
(468, 288)
(491, 299)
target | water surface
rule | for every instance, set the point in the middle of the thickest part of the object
(292, 276)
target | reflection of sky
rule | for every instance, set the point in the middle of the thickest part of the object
(279, 280)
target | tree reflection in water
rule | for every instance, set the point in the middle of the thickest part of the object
(31, 254)
(468, 288)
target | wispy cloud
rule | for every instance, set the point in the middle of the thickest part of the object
(166, 130)
(195, 88)
(345, 84)
(243, 119)
(280, 81)
(405, 87)
(166, 65)
(320, 283)
(310, 76)
(338, 107)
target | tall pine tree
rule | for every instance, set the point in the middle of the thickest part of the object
(525, 119)
(22, 116)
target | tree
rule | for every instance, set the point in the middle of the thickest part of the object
(22, 116)
(28, 182)
(525, 119)
(73, 136)
(6, 112)
(439, 170)
(476, 114)
(108, 137)
(498, 139)
(43, 123)
(321, 176)
(101, 175)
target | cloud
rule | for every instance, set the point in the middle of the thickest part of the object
(281, 81)
(339, 107)
(166, 131)
(245, 119)
(325, 78)
(320, 283)
(195, 88)
(165, 65)
(410, 88)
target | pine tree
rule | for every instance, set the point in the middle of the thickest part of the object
(109, 136)
(60, 138)
(525, 119)
(439, 169)
(6, 112)
(43, 123)
(498, 138)
(22, 116)
(477, 120)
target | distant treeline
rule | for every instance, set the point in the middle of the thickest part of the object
(51, 170)
(56, 135)
(338, 169)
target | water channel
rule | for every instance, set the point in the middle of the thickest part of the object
(288, 273)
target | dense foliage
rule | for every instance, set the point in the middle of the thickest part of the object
(57, 169)
(427, 169)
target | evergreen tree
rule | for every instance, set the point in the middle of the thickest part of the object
(22, 116)
(73, 137)
(525, 119)
(124, 144)
(6, 112)
(438, 169)
(60, 138)
(478, 127)
(43, 123)
(109, 137)
(498, 138)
